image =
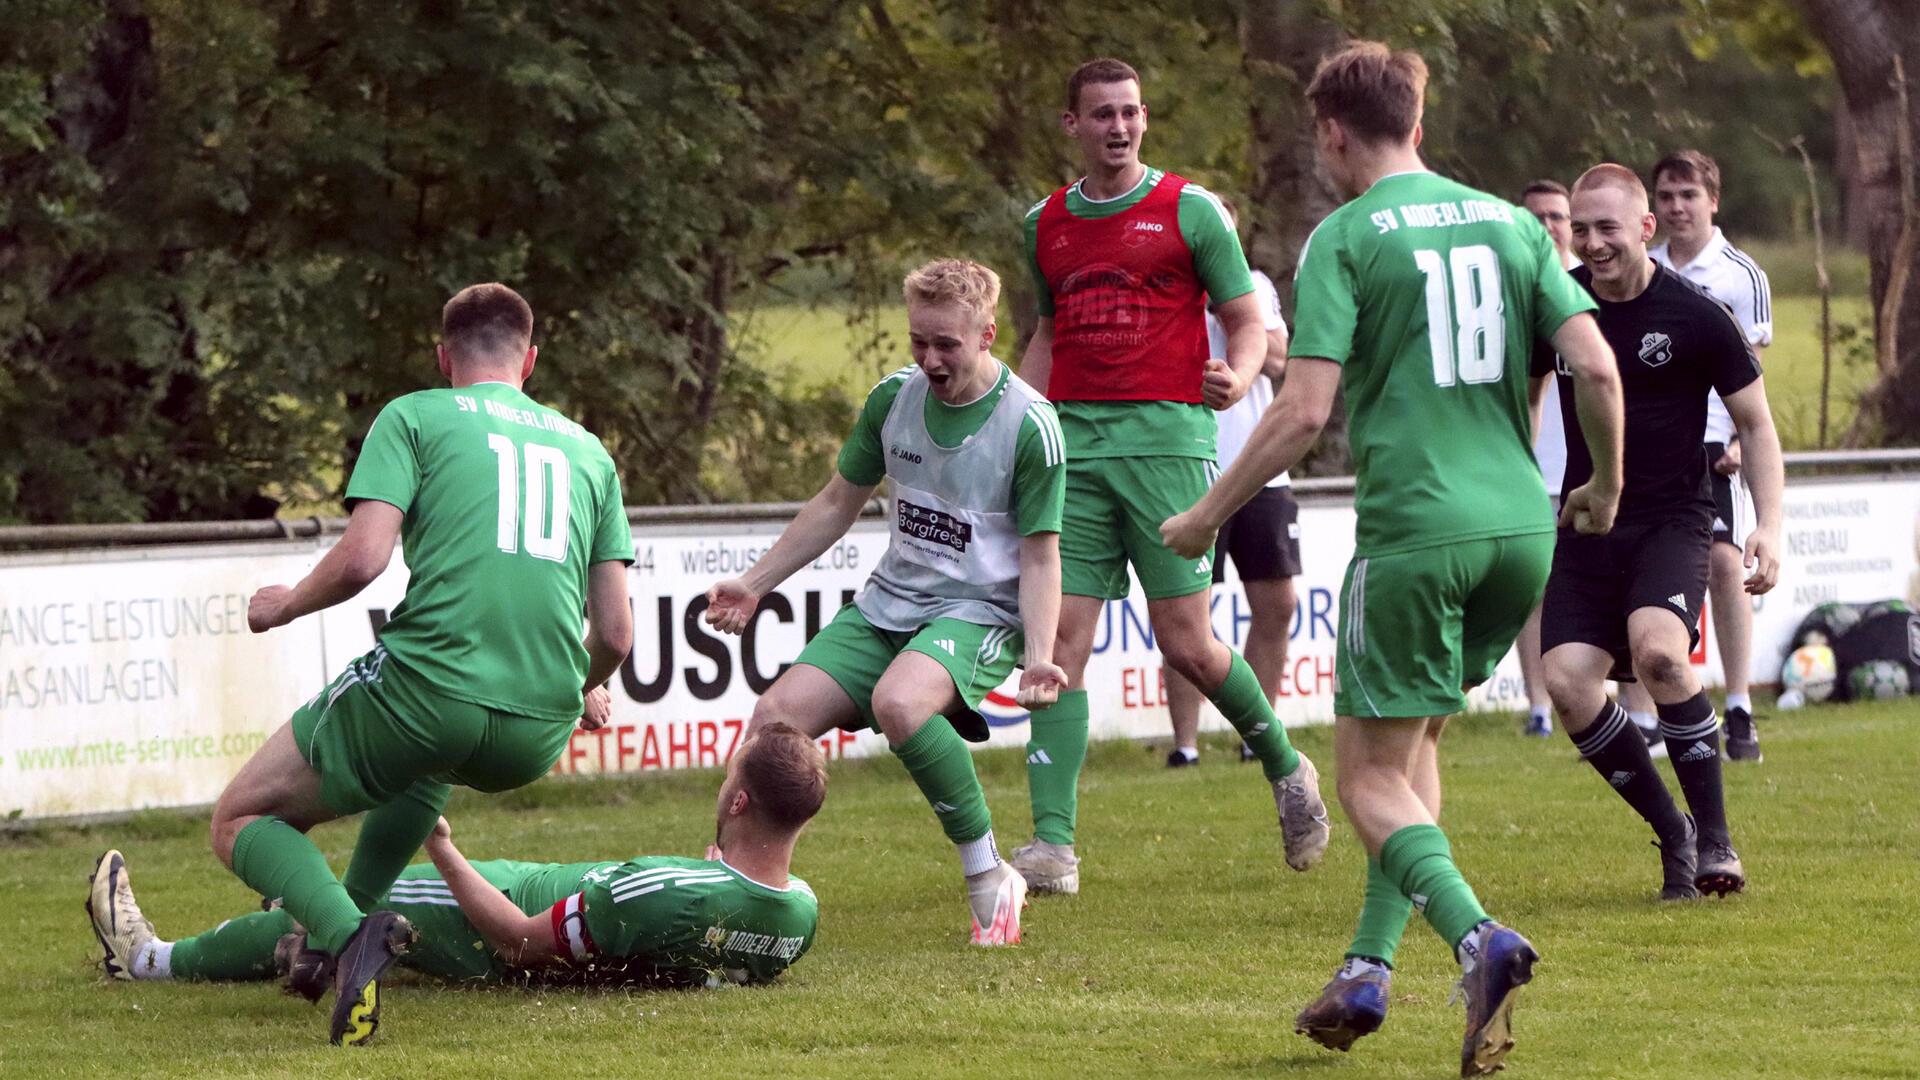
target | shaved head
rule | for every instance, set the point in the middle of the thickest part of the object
(1619, 177)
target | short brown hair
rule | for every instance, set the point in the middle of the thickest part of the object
(1608, 174)
(1373, 91)
(1545, 187)
(486, 320)
(955, 281)
(783, 774)
(1690, 165)
(1104, 70)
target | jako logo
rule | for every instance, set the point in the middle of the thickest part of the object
(906, 455)
(1149, 226)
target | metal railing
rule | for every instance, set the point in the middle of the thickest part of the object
(55, 537)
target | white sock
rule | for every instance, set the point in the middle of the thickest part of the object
(978, 856)
(1543, 714)
(1191, 753)
(1645, 721)
(1739, 701)
(154, 960)
(1357, 966)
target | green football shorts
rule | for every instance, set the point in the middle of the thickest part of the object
(855, 653)
(377, 728)
(1419, 628)
(1114, 509)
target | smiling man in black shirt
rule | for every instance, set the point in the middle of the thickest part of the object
(1627, 604)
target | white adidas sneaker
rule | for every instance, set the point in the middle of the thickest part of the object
(1049, 868)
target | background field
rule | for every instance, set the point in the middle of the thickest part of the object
(1188, 953)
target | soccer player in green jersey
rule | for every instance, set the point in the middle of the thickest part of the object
(969, 586)
(735, 916)
(1126, 261)
(512, 525)
(1423, 297)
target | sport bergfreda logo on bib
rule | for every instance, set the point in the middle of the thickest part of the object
(926, 523)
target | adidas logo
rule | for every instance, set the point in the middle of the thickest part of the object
(1205, 566)
(1039, 757)
(945, 643)
(943, 807)
(1619, 779)
(1257, 729)
(1677, 600)
(1700, 751)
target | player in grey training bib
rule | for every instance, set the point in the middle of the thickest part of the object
(969, 586)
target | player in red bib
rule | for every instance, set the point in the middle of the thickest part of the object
(1126, 261)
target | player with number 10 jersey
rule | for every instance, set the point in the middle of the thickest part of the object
(1430, 295)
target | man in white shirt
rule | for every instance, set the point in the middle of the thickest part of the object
(1548, 201)
(1263, 537)
(1686, 190)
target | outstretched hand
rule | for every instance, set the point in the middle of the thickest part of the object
(730, 606)
(1041, 685)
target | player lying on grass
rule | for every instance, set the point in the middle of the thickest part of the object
(970, 583)
(658, 920)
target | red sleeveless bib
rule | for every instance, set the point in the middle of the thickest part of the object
(1129, 312)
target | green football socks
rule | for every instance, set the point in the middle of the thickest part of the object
(1241, 700)
(276, 859)
(939, 762)
(1419, 859)
(237, 949)
(1056, 748)
(389, 837)
(1383, 918)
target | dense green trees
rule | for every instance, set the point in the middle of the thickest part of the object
(226, 227)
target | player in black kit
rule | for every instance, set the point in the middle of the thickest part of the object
(1627, 604)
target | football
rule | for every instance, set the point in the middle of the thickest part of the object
(1809, 670)
(1878, 680)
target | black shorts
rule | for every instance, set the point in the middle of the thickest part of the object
(1263, 537)
(1733, 517)
(1598, 581)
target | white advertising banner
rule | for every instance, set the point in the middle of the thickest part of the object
(128, 680)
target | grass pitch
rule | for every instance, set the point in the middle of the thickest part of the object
(1188, 952)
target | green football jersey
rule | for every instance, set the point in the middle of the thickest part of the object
(682, 921)
(1431, 294)
(507, 503)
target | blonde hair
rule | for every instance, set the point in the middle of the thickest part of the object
(955, 281)
(1373, 91)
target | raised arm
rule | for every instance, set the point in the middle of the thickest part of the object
(349, 566)
(1590, 507)
(1766, 478)
(826, 518)
(520, 939)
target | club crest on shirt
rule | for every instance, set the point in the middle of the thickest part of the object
(1655, 348)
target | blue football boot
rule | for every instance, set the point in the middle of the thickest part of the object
(1354, 1003)
(1502, 963)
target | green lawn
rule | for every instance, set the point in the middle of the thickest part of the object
(1188, 952)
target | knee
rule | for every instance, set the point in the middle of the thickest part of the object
(1564, 686)
(897, 717)
(768, 709)
(224, 831)
(1660, 669)
(1191, 654)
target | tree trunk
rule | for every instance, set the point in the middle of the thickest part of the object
(1282, 42)
(1863, 37)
